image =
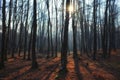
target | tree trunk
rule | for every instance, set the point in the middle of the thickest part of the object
(14, 31)
(95, 34)
(26, 31)
(65, 40)
(104, 41)
(21, 31)
(3, 36)
(48, 52)
(9, 24)
(56, 31)
(34, 25)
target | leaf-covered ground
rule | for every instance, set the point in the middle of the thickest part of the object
(18, 69)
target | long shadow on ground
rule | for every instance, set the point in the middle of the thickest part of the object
(77, 69)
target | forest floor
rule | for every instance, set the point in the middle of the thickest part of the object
(19, 69)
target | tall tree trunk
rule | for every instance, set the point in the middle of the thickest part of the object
(14, 31)
(3, 36)
(9, 24)
(48, 52)
(75, 55)
(26, 31)
(95, 34)
(34, 25)
(65, 40)
(21, 31)
(62, 30)
(56, 31)
(104, 41)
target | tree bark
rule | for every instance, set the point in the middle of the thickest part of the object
(95, 34)
(34, 25)
(65, 40)
(3, 52)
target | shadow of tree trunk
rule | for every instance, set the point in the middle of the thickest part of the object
(77, 70)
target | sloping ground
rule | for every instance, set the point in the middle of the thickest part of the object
(18, 69)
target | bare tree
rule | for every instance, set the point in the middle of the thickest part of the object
(56, 30)
(21, 30)
(104, 39)
(26, 30)
(34, 25)
(9, 26)
(65, 40)
(14, 31)
(3, 52)
(48, 54)
(95, 34)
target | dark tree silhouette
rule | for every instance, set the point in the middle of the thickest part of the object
(26, 31)
(9, 26)
(104, 41)
(48, 29)
(3, 52)
(56, 49)
(34, 25)
(65, 40)
(95, 34)
(14, 31)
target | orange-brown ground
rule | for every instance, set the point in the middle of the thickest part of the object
(18, 69)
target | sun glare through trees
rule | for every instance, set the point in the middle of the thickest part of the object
(71, 9)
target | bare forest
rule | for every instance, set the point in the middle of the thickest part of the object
(59, 40)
